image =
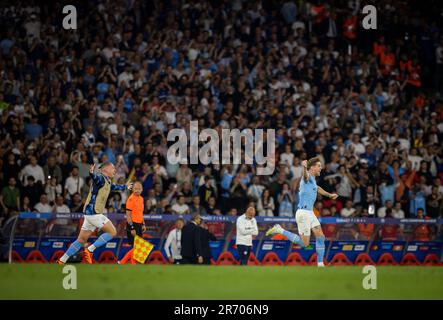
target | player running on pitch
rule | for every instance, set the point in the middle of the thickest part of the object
(305, 218)
(93, 212)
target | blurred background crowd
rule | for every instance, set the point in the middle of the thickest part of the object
(369, 103)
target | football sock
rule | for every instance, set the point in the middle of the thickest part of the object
(320, 248)
(74, 247)
(105, 237)
(293, 238)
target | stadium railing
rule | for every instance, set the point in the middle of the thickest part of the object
(49, 233)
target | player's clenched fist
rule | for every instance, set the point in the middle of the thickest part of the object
(304, 163)
(92, 168)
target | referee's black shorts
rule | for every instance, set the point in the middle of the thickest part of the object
(138, 231)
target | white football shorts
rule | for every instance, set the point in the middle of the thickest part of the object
(306, 220)
(93, 222)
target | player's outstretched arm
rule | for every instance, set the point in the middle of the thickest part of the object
(97, 179)
(121, 187)
(305, 170)
(327, 194)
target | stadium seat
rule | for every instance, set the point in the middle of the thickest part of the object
(363, 259)
(295, 259)
(431, 259)
(107, 257)
(226, 259)
(313, 260)
(15, 257)
(56, 255)
(339, 259)
(409, 259)
(271, 259)
(253, 261)
(156, 257)
(35, 256)
(386, 259)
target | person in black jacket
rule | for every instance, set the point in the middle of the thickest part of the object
(206, 236)
(192, 252)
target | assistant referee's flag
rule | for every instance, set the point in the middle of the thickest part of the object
(142, 249)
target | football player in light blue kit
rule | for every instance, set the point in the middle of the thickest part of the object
(305, 217)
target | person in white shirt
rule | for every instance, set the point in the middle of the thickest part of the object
(33, 27)
(246, 228)
(126, 76)
(381, 212)
(296, 169)
(104, 114)
(53, 189)
(158, 168)
(348, 210)
(60, 206)
(397, 212)
(74, 183)
(359, 147)
(173, 243)
(180, 207)
(88, 136)
(32, 169)
(287, 157)
(43, 205)
(415, 159)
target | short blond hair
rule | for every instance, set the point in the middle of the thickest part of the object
(312, 162)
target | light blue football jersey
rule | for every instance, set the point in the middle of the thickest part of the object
(307, 193)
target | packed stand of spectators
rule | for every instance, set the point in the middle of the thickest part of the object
(367, 102)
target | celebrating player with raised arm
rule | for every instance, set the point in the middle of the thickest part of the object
(305, 218)
(93, 210)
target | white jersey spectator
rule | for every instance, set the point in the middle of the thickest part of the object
(173, 243)
(43, 205)
(287, 157)
(34, 170)
(180, 207)
(74, 183)
(59, 206)
(415, 161)
(348, 210)
(246, 228)
(397, 212)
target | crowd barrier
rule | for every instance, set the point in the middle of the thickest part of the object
(44, 247)
(271, 220)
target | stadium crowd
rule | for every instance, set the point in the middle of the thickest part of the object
(367, 102)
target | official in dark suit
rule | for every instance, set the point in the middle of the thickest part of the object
(206, 236)
(192, 252)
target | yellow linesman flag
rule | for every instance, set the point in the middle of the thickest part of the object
(142, 249)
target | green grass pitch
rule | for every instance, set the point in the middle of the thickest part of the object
(44, 281)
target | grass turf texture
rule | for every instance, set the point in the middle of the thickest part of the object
(44, 281)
